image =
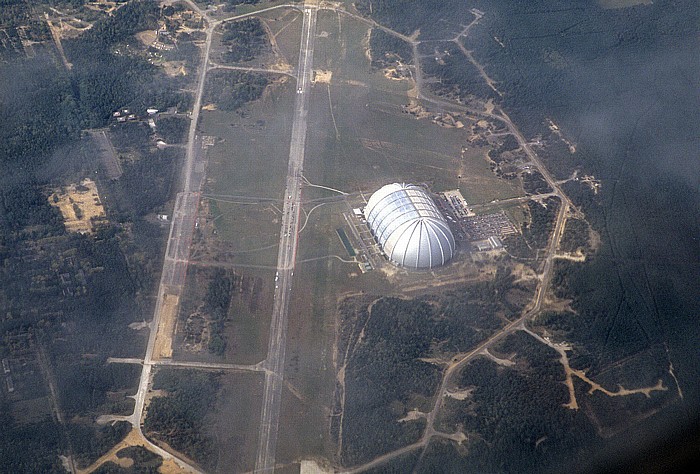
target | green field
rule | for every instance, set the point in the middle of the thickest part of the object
(234, 419)
(246, 173)
(249, 319)
(285, 26)
(218, 10)
(360, 138)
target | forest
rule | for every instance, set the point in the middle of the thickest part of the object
(244, 40)
(216, 304)
(231, 90)
(516, 412)
(173, 129)
(534, 183)
(514, 415)
(104, 81)
(178, 418)
(542, 218)
(68, 298)
(455, 76)
(385, 377)
(388, 49)
(144, 462)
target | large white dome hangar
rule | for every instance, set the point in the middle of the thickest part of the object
(409, 227)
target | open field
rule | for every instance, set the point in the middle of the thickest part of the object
(245, 325)
(249, 155)
(240, 215)
(307, 400)
(249, 317)
(233, 421)
(284, 25)
(245, 176)
(218, 10)
(246, 233)
(361, 137)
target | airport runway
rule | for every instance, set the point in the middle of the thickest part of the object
(286, 258)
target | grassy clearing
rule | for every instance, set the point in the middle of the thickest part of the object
(284, 24)
(234, 419)
(246, 325)
(252, 149)
(250, 231)
(248, 161)
(247, 329)
(360, 137)
(342, 46)
(310, 371)
(218, 10)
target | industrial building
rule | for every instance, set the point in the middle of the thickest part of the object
(409, 227)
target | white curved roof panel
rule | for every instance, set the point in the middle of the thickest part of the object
(409, 227)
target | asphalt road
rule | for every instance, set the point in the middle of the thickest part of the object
(286, 258)
(176, 255)
(182, 227)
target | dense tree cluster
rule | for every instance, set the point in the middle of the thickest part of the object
(39, 113)
(244, 40)
(89, 444)
(145, 462)
(385, 369)
(44, 107)
(231, 90)
(178, 418)
(455, 75)
(534, 183)
(216, 304)
(106, 78)
(387, 49)
(575, 236)
(29, 447)
(146, 183)
(517, 411)
(23, 207)
(542, 218)
(173, 129)
(385, 375)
